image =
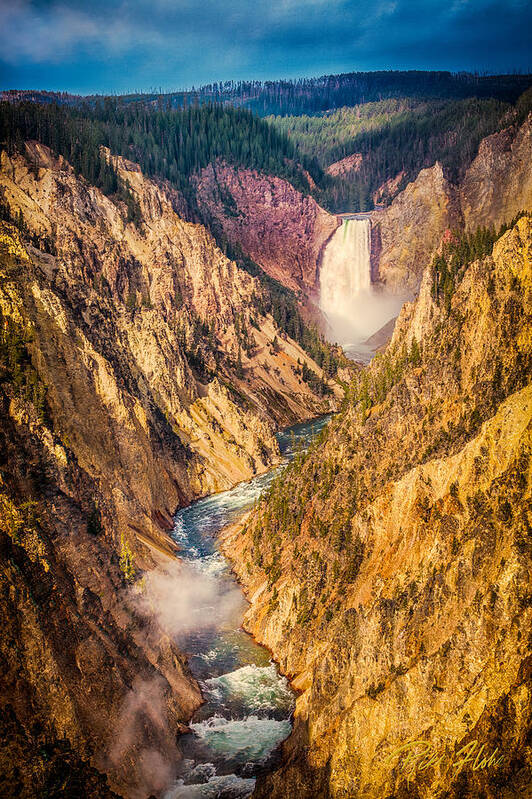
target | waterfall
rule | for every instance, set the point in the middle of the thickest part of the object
(354, 308)
(346, 269)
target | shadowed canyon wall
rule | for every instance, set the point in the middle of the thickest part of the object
(495, 188)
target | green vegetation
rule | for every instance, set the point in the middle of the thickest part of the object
(371, 386)
(394, 137)
(329, 136)
(16, 520)
(315, 95)
(127, 562)
(16, 367)
(436, 117)
(166, 144)
(463, 248)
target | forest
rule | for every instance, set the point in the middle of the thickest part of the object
(398, 122)
(395, 137)
(319, 94)
(166, 144)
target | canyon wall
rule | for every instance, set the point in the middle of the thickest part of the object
(389, 569)
(412, 227)
(498, 184)
(140, 369)
(495, 188)
(282, 230)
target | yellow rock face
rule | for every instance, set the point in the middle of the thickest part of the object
(396, 590)
(105, 429)
(495, 188)
(115, 309)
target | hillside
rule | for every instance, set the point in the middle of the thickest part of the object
(395, 123)
(388, 569)
(495, 187)
(393, 140)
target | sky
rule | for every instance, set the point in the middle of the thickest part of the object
(114, 46)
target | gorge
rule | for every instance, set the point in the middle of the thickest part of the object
(180, 428)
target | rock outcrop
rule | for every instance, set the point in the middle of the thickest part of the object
(278, 227)
(389, 570)
(496, 187)
(408, 232)
(498, 184)
(351, 163)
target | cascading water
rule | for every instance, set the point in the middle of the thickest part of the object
(354, 308)
(248, 705)
(345, 271)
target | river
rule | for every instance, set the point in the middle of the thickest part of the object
(248, 707)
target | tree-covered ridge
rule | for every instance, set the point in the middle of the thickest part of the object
(328, 136)
(396, 137)
(166, 144)
(315, 95)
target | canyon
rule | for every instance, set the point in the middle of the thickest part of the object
(389, 571)
(147, 363)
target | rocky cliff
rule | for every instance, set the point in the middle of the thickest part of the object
(407, 232)
(498, 184)
(389, 569)
(495, 188)
(140, 368)
(279, 228)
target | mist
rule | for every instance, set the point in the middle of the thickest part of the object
(361, 316)
(184, 599)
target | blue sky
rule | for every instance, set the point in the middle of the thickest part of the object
(115, 46)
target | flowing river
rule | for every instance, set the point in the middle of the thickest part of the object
(248, 707)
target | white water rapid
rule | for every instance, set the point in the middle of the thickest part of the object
(354, 308)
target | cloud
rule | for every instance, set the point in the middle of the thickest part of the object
(54, 33)
(114, 45)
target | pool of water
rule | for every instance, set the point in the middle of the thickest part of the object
(248, 704)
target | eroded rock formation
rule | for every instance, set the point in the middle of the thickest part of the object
(278, 227)
(495, 188)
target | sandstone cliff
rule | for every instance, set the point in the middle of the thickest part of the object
(279, 228)
(498, 184)
(75, 653)
(140, 368)
(143, 303)
(389, 569)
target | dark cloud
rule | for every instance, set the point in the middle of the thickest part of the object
(114, 45)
